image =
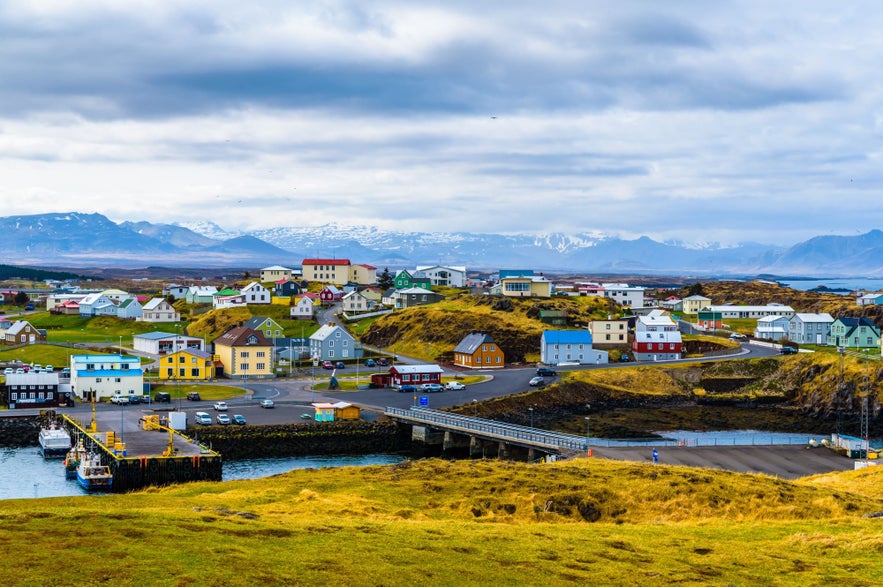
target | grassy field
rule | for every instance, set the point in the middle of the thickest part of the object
(58, 356)
(207, 391)
(459, 523)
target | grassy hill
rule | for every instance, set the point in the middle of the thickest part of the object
(761, 293)
(431, 332)
(459, 523)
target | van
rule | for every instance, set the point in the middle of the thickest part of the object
(162, 396)
(203, 418)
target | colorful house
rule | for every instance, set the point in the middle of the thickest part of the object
(106, 376)
(609, 332)
(269, 327)
(854, 333)
(330, 294)
(285, 288)
(333, 343)
(324, 412)
(414, 374)
(478, 350)
(535, 286)
(244, 353)
(692, 304)
(569, 347)
(333, 271)
(275, 273)
(255, 293)
(23, 332)
(187, 365)
(159, 310)
(303, 309)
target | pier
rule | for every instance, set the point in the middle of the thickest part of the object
(141, 457)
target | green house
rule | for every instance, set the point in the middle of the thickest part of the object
(854, 333)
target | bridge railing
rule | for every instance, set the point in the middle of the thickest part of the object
(502, 430)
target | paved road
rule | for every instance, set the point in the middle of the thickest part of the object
(786, 462)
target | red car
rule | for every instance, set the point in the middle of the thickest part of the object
(327, 365)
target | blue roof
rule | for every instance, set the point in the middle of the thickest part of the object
(105, 358)
(155, 335)
(567, 336)
(109, 373)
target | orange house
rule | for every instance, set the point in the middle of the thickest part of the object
(479, 351)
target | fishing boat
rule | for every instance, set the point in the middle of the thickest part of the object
(55, 441)
(72, 460)
(92, 475)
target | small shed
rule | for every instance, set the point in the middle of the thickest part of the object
(346, 411)
(324, 412)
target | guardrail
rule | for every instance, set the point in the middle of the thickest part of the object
(491, 429)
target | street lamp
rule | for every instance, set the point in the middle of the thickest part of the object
(475, 407)
(587, 431)
(531, 416)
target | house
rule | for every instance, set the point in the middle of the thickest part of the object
(657, 338)
(849, 332)
(330, 294)
(672, 304)
(553, 317)
(244, 353)
(416, 296)
(332, 343)
(129, 308)
(362, 274)
(159, 310)
(569, 346)
(276, 273)
(303, 309)
(95, 303)
(373, 294)
(163, 343)
(105, 376)
(804, 328)
(255, 293)
(201, 294)
(176, 291)
(628, 296)
(35, 390)
(355, 303)
(590, 289)
(333, 271)
(414, 374)
(444, 276)
(710, 319)
(692, 304)
(772, 328)
(23, 332)
(269, 327)
(115, 295)
(734, 311)
(403, 280)
(869, 299)
(68, 308)
(291, 349)
(187, 365)
(526, 286)
(54, 300)
(478, 350)
(228, 298)
(285, 288)
(324, 411)
(609, 332)
(388, 298)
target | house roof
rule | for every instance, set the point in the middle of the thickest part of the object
(327, 330)
(254, 285)
(257, 321)
(18, 326)
(567, 337)
(461, 269)
(807, 317)
(325, 262)
(275, 268)
(369, 267)
(660, 336)
(195, 353)
(472, 341)
(771, 318)
(105, 359)
(411, 369)
(226, 292)
(242, 336)
(127, 302)
(698, 298)
(332, 289)
(157, 335)
(153, 303)
(416, 290)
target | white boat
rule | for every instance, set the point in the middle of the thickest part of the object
(55, 441)
(92, 475)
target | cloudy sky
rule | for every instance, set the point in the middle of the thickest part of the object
(700, 121)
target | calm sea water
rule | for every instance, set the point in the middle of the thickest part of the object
(25, 474)
(848, 283)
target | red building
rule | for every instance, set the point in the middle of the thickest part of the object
(330, 294)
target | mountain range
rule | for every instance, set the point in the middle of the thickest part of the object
(92, 240)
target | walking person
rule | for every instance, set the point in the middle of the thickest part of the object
(655, 457)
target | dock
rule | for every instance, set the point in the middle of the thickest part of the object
(140, 458)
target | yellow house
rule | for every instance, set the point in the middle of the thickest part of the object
(333, 271)
(609, 331)
(363, 274)
(693, 304)
(244, 352)
(526, 286)
(274, 273)
(187, 365)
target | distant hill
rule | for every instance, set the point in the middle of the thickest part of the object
(92, 240)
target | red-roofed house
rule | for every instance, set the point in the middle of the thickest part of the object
(334, 271)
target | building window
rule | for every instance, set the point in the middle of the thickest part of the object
(261, 366)
(243, 367)
(194, 372)
(243, 354)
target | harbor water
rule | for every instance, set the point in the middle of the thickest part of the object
(26, 474)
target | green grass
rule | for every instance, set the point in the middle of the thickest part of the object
(207, 391)
(55, 355)
(457, 523)
(109, 329)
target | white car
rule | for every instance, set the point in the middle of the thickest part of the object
(454, 386)
(8, 371)
(119, 399)
(221, 406)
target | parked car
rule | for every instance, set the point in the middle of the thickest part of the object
(29, 307)
(382, 362)
(306, 416)
(431, 387)
(370, 363)
(193, 396)
(134, 399)
(223, 419)
(454, 386)
(19, 371)
(340, 365)
(119, 399)
(221, 406)
(203, 418)
(8, 371)
(546, 372)
(737, 336)
(537, 382)
(237, 419)
(407, 388)
(327, 365)
(66, 372)
(788, 350)
(624, 358)
(162, 396)
(49, 368)
(267, 403)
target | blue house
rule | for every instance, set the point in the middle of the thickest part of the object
(854, 333)
(558, 347)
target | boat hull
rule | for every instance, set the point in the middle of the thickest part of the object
(49, 452)
(95, 483)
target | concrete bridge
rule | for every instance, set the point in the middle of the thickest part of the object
(434, 427)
